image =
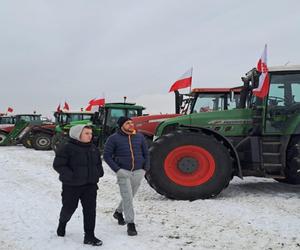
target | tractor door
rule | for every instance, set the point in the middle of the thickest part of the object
(283, 102)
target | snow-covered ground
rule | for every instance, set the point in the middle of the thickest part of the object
(255, 213)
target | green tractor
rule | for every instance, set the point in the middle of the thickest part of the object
(64, 121)
(195, 156)
(104, 122)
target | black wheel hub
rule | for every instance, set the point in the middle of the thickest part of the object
(187, 165)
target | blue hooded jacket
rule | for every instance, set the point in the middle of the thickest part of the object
(125, 151)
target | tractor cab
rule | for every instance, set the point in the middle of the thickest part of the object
(62, 118)
(214, 99)
(206, 100)
(278, 112)
(109, 114)
(30, 118)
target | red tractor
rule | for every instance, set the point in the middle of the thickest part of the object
(199, 100)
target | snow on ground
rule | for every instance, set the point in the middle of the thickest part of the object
(256, 213)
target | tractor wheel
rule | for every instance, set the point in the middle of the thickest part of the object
(2, 137)
(189, 165)
(57, 141)
(42, 141)
(292, 171)
(26, 142)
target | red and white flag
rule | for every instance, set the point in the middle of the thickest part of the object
(183, 82)
(95, 102)
(66, 106)
(99, 102)
(264, 82)
(58, 109)
(10, 110)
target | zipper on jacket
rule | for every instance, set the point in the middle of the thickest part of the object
(131, 151)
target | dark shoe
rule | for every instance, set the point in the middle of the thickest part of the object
(61, 229)
(92, 240)
(119, 216)
(131, 231)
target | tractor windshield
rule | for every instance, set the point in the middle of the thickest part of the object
(115, 113)
(65, 118)
(284, 90)
(29, 118)
(206, 102)
(283, 100)
(7, 120)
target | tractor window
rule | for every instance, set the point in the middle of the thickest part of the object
(7, 120)
(208, 102)
(113, 116)
(29, 118)
(75, 117)
(296, 92)
(86, 117)
(283, 100)
(132, 113)
(276, 95)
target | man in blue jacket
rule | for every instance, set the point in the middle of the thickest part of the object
(126, 152)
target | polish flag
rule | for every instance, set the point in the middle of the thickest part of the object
(95, 102)
(99, 102)
(10, 110)
(58, 109)
(66, 106)
(183, 82)
(264, 82)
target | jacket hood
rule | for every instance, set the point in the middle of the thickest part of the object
(75, 131)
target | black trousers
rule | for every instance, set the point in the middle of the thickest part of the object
(87, 195)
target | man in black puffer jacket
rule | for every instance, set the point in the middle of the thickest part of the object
(79, 166)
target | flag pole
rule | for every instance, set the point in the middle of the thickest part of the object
(189, 107)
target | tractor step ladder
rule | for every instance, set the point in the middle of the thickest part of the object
(271, 157)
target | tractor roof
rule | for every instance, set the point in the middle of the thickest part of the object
(216, 90)
(28, 115)
(284, 68)
(123, 105)
(76, 112)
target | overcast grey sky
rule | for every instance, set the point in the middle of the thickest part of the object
(75, 50)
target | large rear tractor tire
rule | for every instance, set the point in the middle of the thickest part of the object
(2, 137)
(292, 171)
(42, 141)
(189, 165)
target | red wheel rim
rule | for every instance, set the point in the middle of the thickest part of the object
(203, 167)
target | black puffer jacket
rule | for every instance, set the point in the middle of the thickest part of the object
(78, 163)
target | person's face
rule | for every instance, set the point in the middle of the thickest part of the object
(128, 126)
(86, 135)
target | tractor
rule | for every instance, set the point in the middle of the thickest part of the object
(64, 121)
(103, 122)
(195, 156)
(13, 134)
(199, 100)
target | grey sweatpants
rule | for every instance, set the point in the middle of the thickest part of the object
(129, 182)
